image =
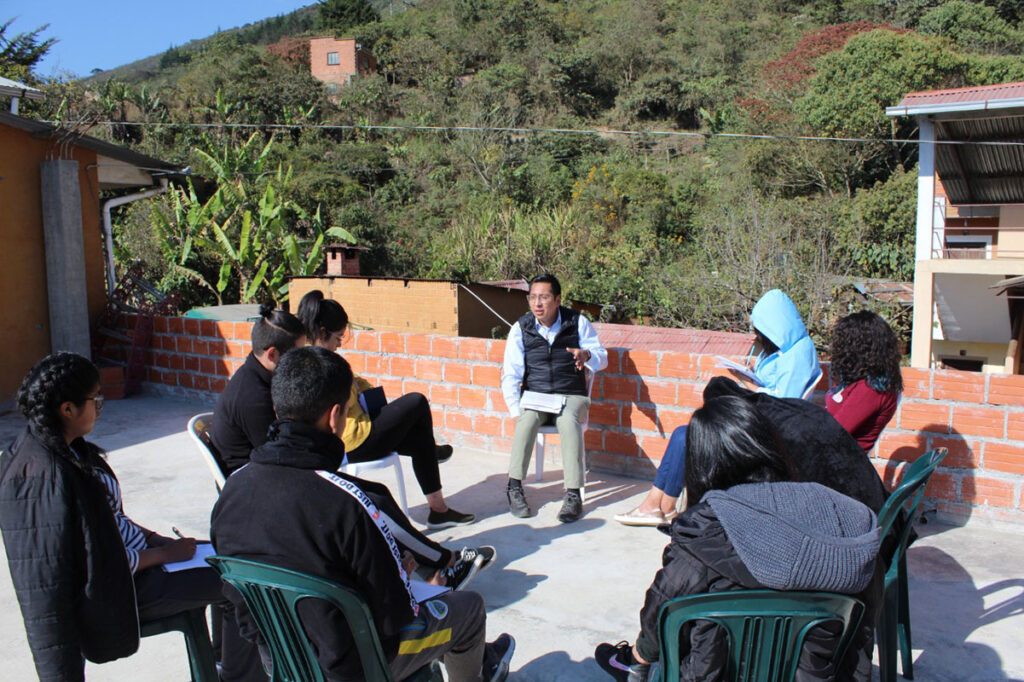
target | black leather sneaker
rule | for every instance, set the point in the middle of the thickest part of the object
(517, 504)
(572, 507)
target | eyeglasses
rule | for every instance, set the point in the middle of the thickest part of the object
(542, 298)
(98, 399)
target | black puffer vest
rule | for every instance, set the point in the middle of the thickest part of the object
(551, 368)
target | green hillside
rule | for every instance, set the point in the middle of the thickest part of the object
(715, 197)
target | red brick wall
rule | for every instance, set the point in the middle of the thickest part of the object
(640, 398)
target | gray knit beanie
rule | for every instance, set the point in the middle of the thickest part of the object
(799, 536)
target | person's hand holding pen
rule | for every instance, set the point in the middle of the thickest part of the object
(181, 549)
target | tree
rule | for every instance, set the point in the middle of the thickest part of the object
(21, 52)
(339, 15)
(972, 26)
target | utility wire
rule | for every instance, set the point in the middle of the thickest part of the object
(569, 131)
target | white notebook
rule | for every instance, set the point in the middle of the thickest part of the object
(542, 402)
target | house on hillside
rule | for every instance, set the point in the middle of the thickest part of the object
(336, 61)
(968, 286)
(53, 230)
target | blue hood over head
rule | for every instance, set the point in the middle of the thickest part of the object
(788, 372)
(775, 316)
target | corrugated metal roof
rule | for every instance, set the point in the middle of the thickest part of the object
(696, 341)
(16, 89)
(978, 94)
(975, 173)
(44, 130)
(981, 174)
(518, 284)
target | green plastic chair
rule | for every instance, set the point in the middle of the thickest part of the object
(192, 624)
(766, 629)
(893, 624)
(273, 595)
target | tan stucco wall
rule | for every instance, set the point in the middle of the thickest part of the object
(24, 317)
(1011, 243)
(993, 354)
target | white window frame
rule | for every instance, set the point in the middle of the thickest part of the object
(334, 56)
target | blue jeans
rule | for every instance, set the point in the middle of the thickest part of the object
(669, 478)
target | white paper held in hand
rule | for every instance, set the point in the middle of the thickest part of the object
(542, 402)
(742, 370)
(198, 560)
(422, 591)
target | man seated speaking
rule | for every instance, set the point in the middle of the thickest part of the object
(544, 380)
(289, 508)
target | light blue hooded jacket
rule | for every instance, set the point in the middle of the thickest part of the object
(788, 372)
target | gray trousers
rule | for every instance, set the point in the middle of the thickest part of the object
(451, 627)
(570, 430)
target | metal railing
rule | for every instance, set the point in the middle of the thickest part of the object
(979, 248)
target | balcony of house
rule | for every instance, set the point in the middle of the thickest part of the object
(977, 233)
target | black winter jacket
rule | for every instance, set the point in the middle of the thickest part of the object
(699, 559)
(278, 510)
(67, 559)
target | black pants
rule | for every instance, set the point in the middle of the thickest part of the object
(160, 594)
(404, 426)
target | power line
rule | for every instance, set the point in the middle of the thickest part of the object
(568, 131)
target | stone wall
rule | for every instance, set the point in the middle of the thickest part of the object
(639, 400)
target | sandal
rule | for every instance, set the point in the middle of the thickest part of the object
(639, 518)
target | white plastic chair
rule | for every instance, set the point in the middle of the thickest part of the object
(809, 391)
(197, 427)
(544, 431)
(392, 460)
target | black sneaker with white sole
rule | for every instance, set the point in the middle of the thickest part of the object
(447, 519)
(498, 657)
(617, 660)
(469, 561)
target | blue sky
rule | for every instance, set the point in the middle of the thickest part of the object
(106, 34)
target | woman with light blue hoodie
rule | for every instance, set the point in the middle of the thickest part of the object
(788, 362)
(786, 367)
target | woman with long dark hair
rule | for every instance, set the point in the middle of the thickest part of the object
(85, 573)
(866, 373)
(749, 525)
(403, 425)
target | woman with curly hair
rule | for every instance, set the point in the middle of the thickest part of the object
(85, 573)
(866, 372)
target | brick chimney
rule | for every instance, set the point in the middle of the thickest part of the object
(343, 260)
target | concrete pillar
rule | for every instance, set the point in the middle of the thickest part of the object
(922, 330)
(65, 257)
(925, 189)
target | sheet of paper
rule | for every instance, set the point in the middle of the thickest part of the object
(542, 402)
(198, 560)
(742, 370)
(422, 591)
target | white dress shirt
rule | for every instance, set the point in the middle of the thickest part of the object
(514, 366)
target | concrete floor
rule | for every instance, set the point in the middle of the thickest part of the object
(559, 589)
